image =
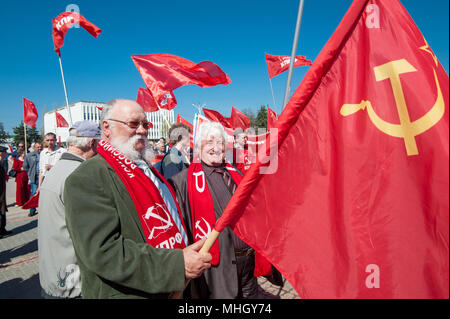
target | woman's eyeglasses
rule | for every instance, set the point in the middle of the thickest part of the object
(135, 124)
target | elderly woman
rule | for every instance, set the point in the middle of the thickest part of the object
(203, 191)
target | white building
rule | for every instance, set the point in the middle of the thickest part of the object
(84, 110)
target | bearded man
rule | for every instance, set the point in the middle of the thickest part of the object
(129, 238)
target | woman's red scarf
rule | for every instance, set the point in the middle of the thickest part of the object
(202, 206)
(203, 217)
(159, 228)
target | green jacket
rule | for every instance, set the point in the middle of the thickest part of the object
(114, 259)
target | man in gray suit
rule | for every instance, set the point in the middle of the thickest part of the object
(31, 165)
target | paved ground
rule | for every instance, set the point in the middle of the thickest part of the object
(19, 266)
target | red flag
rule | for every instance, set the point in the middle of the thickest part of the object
(239, 119)
(60, 120)
(146, 100)
(182, 120)
(163, 73)
(277, 64)
(30, 113)
(168, 101)
(148, 103)
(33, 202)
(63, 22)
(363, 154)
(217, 117)
(271, 118)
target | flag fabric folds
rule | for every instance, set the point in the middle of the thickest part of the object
(164, 73)
(146, 100)
(277, 64)
(30, 113)
(182, 120)
(33, 202)
(63, 22)
(363, 154)
(215, 116)
(239, 119)
(60, 120)
(271, 118)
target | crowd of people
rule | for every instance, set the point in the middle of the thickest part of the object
(122, 218)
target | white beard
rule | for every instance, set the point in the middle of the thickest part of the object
(126, 147)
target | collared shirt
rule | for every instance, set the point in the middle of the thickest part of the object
(221, 196)
(166, 196)
(49, 157)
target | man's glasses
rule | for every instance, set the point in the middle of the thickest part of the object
(135, 124)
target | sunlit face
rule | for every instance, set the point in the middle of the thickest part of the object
(51, 141)
(126, 111)
(213, 151)
(37, 147)
(161, 147)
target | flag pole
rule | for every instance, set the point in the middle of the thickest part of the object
(25, 136)
(65, 90)
(294, 51)
(273, 96)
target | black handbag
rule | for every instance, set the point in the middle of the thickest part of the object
(12, 173)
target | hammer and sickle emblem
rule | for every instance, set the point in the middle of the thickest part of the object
(166, 223)
(204, 234)
(406, 129)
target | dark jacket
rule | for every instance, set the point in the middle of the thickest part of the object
(114, 258)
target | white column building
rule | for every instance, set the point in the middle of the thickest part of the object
(86, 110)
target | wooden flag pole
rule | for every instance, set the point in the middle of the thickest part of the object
(293, 53)
(25, 136)
(65, 90)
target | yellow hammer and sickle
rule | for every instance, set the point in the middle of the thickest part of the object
(406, 129)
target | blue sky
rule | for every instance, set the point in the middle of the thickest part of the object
(232, 34)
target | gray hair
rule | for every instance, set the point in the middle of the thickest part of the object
(208, 129)
(106, 110)
(80, 142)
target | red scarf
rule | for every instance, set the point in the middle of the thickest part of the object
(202, 206)
(159, 228)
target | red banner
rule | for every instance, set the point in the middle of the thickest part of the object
(30, 113)
(63, 22)
(164, 73)
(277, 64)
(239, 119)
(363, 154)
(215, 116)
(60, 120)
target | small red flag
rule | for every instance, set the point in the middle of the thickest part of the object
(271, 118)
(239, 119)
(60, 120)
(164, 73)
(363, 152)
(217, 117)
(33, 202)
(277, 64)
(64, 21)
(30, 113)
(182, 120)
